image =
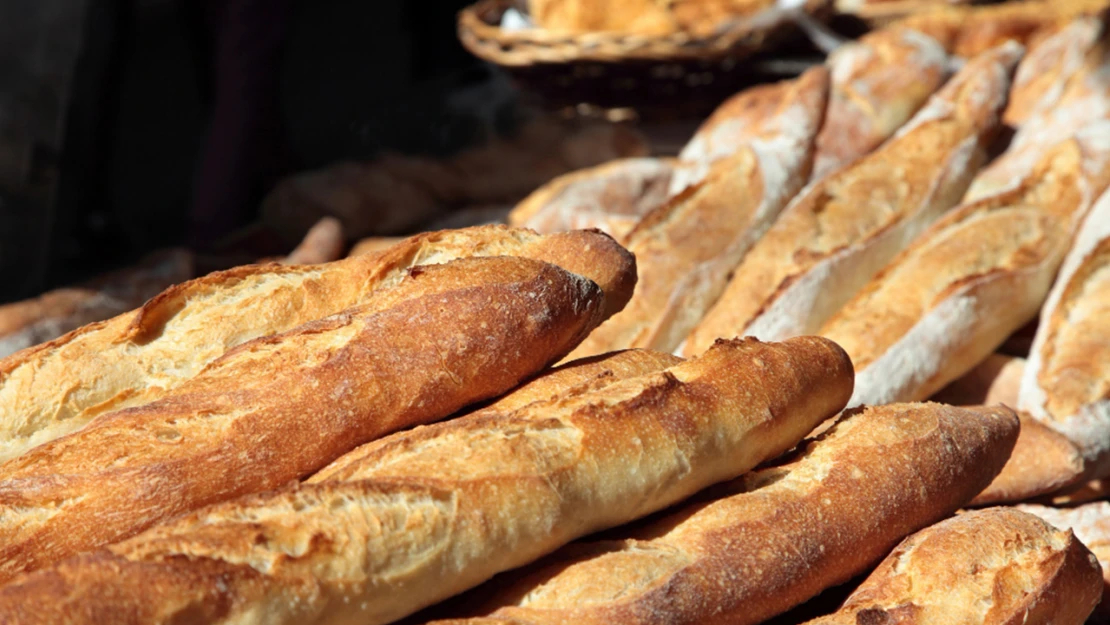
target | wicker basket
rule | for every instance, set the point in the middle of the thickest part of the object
(480, 32)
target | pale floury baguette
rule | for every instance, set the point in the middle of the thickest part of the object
(989, 567)
(1091, 524)
(685, 249)
(774, 538)
(1082, 99)
(424, 514)
(279, 408)
(844, 228)
(611, 197)
(137, 357)
(877, 84)
(1066, 385)
(977, 275)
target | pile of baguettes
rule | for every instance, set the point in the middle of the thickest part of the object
(258, 445)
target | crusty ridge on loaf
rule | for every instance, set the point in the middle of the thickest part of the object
(988, 567)
(56, 388)
(843, 229)
(426, 513)
(776, 537)
(686, 248)
(281, 407)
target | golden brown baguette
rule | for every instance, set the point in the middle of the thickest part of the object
(1066, 384)
(137, 357)
(754, 114)
(373, 245)
(1081, 99)
(1043, 461)
(52, 314)
(611, 197)
(996, 380)
(426, 513)
(988, 567)
(877, 84)
(281, 407)
(844, 228)
(776, 537)
(322, 244)
(685, 249)
(1091, 524)
(977, 275)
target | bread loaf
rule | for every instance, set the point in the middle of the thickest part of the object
(1091, 524)
(842, 230)
(281, 407)
(877, 84)
(323, 244)
(1066, 385)
(52, 314)
(426, 513)
(372, 245)
(980, 568)
(993, 381)
(137, 357)
(1043, 461)
(611, 197)
(776, 537)
(980, 273)
(686, 248)
(1082, 100)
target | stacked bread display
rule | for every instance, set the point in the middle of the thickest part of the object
(787, 372)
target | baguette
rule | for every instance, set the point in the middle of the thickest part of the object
(611, 197)
(135, 358)
(1066, 385)
(52, 314)
(323, 244)
(993, 381)
(980, 273)
(1091, 524)
(980, 568)
(877, 84)
(776, 537)
(1083, 99)
(279, 408)
(685, 249)
(374, 245)
(1043, 461)
(427, 513)
(841, 231)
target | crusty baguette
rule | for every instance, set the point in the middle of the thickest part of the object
(844, 228)
(1091, 524)
(373, 245)
(1066, 385)
(323, 244)
(281, 407)
(776, 537)
(977, 275)
(987, 567)
(1082, 99)
(611, 197)
(52, 314)
(1043, 461)
(686, 248)
(993, 381)
(424, 514)
(751, 115)
(137, 357)
(877, 84)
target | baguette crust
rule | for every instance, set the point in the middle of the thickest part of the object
(1091, 524)
(685, 249)
(996, 380)
(988, 567)
(1066, 385)
(776, 537)
(374, 245)
(424, 514)
(1043, 461)
(279, 408)
(877, 84)
(841, 231)
(980, 273)
(135, 358)
(611, 197)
